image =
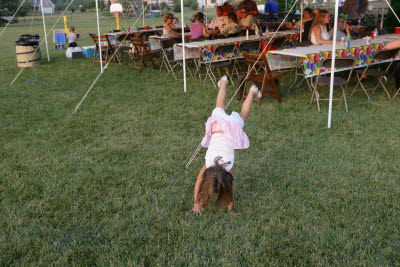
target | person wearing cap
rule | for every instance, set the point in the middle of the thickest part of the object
(341, 26)
(250, 4)
(220, 20)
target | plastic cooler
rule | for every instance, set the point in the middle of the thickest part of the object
(88, 51)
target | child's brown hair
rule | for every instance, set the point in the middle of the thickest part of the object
(216, 180)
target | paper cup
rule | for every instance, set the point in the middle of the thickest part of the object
(397, 30)
(147, 28)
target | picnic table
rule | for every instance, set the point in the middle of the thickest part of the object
(116, 37)
(313, 56)
(204, 50)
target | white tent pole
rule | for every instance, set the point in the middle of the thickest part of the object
(286, 6)
(333, 63)
(45, 32)
(206, 15)
(392, 10)
(183, 47)
(301, 22)
(98, 34)
(143, 11)
(383, 13)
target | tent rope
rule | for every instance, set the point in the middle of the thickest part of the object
(244, 80)
(9, 21)
(392, 10)
(105, 67)
(33, 53)
(30, 28)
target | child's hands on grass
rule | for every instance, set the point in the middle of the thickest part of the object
(196, 210)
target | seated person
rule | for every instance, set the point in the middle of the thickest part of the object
(231, 28)
(354, 9)
(220, 20)
(394, 45)
(307, 22)
(340, 27)
(169, 28)
(198, 29)
(271, 8)
(319, 33)
(247, 20)
(250, 4)
(228, 9)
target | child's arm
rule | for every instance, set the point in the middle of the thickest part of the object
(197, 206)
(393, 44)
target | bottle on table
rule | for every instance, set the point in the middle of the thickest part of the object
(347, 41)
(154, 24)
(257, 32)
(375, 33)
(267, 32)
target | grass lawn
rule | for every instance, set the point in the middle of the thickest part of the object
(106, 185)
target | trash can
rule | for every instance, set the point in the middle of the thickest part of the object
(28, 53)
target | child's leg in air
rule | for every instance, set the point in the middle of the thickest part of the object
(222, 92)
(253, 93)
(197, 206)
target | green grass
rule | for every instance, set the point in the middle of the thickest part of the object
(106, 185)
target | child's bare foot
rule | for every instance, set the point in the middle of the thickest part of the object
(196, 210)
(225, 78)
(257, 93)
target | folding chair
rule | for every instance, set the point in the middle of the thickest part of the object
(340, 62)
(219, 51)
(277, 43)
(145, 35)
(266, 78)
(168, 57)
(245, 46)
(105, 46)
(397, 89)
(141, 49)
(379, 74)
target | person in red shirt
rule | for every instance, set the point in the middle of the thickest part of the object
(250, 4)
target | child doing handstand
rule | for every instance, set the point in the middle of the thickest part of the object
(224, 134)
